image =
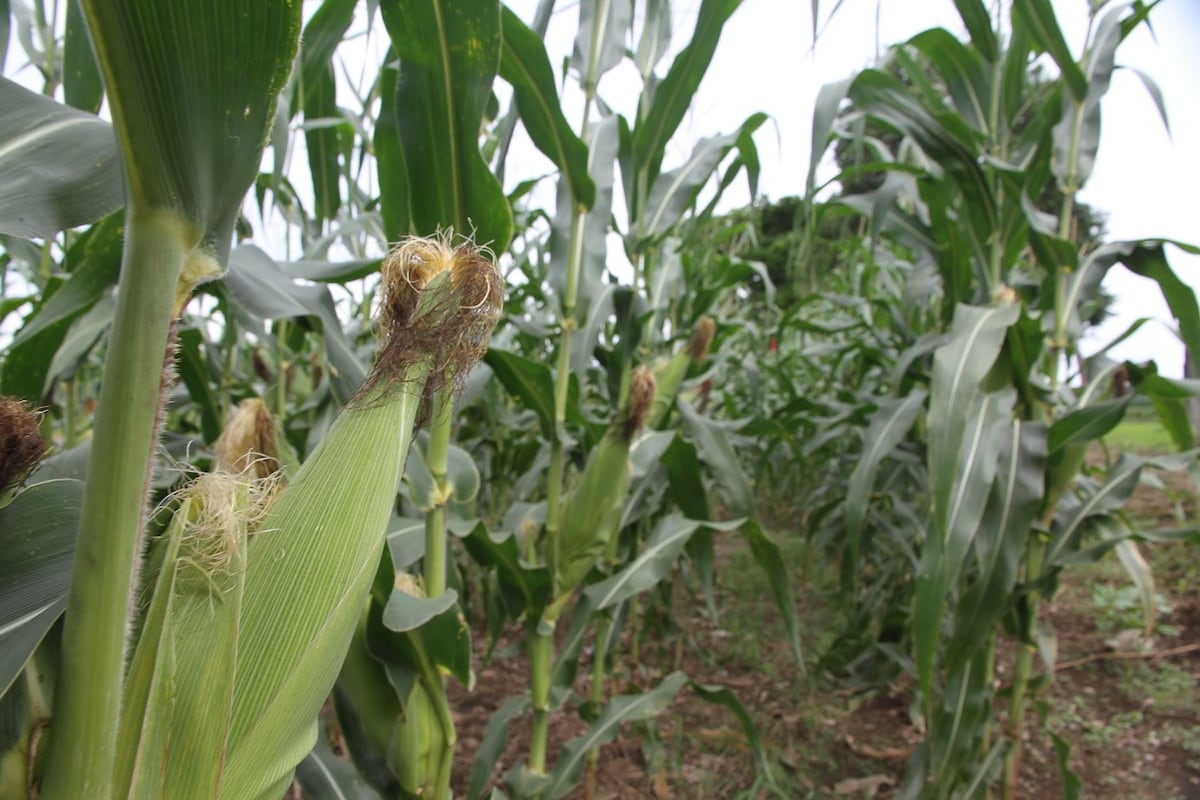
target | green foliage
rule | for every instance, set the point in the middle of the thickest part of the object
(894, 365)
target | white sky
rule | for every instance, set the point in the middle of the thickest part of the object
(1145, 180)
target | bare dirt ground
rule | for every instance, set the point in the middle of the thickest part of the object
(1131, 716)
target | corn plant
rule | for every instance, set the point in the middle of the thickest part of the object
(1005, 426)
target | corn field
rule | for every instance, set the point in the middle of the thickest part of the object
(317, 397)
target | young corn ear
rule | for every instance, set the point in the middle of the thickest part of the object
(670, 373)
(276, 627)
(592, 512)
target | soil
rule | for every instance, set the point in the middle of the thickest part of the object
(1130, 715)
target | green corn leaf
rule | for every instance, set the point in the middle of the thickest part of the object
(491, 746)
(1012, 507)
(525, 65)
(771, 561)
(656, 35)
(256, 285)
(1095, 502)
(964, 72)
(527, 587)
(324, 32)
(1077, 135)
(1142, 575)
(528, 381)
(717, 451)
(449, 54)
(653, 563)
(600, 37)
(976, 469)
(672, 193)
(888, 427)
(37, 536)
(392, 169)
(978, 23)
(193, 112)
(1148, 259)
(1037, 17)
(1087, 424)
(323, 141)
(324, 776)
(724, 696)
(95, 263)
(958, 368)
(82, 87)
(825, 111)
(674, 95)
(623, 708)
(200, 378)
(58, 166)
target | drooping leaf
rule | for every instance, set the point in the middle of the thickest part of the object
(1148, 259)
(674, 192)
(653, 563)
(257, 285)
(978, 22)
(712, 441)
(58, 166)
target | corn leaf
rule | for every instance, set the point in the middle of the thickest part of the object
(491, 746)
(1037, 17)
(888, 427)
(37, 537)
(449, 55)
(58, 165)
(324, 776)
(600, 37)
(978, 23)
(82, 87)
(653, 563)
(623, 708)
(674, 95)
(525, 65)
(193, 112)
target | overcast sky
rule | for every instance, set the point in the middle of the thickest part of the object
(1146, 181)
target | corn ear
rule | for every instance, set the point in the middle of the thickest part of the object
(257, 650)
(670, 373)
(189, 633)
(592, 512)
